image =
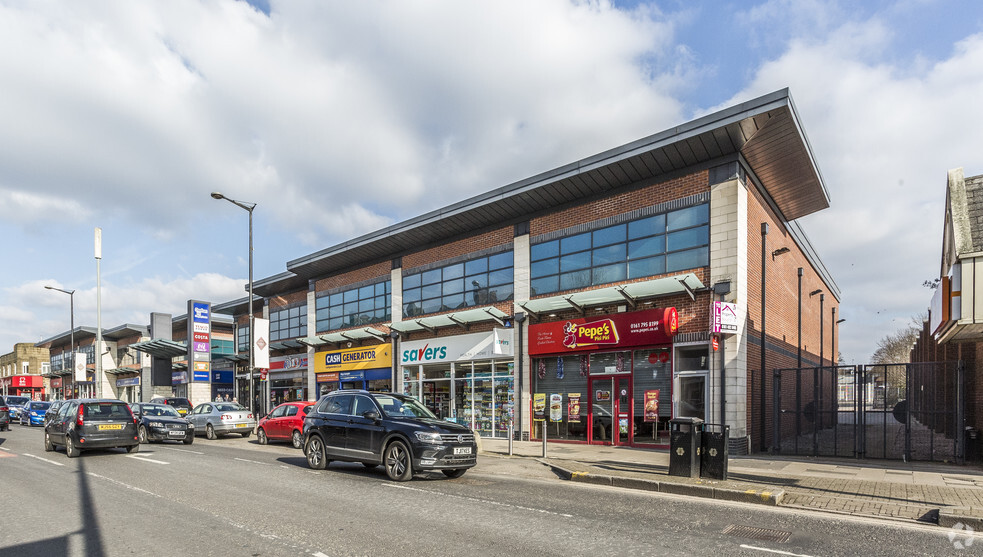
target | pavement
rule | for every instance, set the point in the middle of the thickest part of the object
(935, 493)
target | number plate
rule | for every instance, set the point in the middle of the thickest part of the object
(175, 433)
(242, 425)
(462, 450)
(111, 426)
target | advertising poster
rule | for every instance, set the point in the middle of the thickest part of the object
(573, 407)
(556, 407)
(652, 406)
(539, 407)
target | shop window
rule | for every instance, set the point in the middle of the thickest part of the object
(692, 358)
(242, 338)
(567, 377)
(652, 374)
(288, 322)
(476, 282)
(644, 247)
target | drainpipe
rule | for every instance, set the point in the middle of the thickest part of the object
(764, 262)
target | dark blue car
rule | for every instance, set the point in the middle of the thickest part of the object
(15, 404)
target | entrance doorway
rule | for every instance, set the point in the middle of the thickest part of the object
(611, 410)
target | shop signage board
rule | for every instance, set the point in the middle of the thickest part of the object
(723, 318)
(556, 407)
(476, 346)
(573, 407)
(363, 357)
(128, 382)
(651, 402)
(200, 351)
(637, 328)
(297, 361)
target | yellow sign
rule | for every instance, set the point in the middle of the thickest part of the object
(202, 366)
(363, 357)
(539, 407)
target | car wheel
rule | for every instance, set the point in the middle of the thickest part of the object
(142, 434)
(317, 459)
(455, 473)
(261, 437)
(48, 447)
(210, 432)
(297, 439)
(133, 448)
(399, 465)
(70, 449)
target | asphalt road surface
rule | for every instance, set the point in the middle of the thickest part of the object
(234, 497)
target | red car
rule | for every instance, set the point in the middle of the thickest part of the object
(284, 423)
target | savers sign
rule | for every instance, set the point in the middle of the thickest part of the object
(638, 328)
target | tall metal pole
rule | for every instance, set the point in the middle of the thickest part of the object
(71, 307)
(98, 352)
(252, 328)
(764, 262)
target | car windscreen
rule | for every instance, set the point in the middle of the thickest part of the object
(40, 405)
(400, 407)
(229, 407)
(160, 410)
(17, 400)
(178, 402)
(106, 411)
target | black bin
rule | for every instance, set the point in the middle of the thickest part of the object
(684, 447)
(972, 444)
(714, 442)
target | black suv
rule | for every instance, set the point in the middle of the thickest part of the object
(91, 423)
(386, 428)
(181, 404)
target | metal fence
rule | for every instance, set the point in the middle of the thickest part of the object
(896, 411)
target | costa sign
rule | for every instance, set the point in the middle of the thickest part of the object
(620, 330)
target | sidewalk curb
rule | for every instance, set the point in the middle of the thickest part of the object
(771, 498)
(966, 516)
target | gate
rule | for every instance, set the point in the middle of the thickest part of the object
(890, 411)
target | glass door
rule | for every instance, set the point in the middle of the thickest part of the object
(611, 410)
(691, 402)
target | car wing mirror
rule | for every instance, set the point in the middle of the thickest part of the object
(371, 415)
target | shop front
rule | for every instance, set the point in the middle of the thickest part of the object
(23, 385)
(468, 379)
(223, 387)
(57, 388)
(128, 388)
(606, 379)
(365, 367)
(287, 379)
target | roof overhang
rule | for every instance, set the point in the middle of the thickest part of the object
(161, 348)
(765, 132)
(463, 319)
(629, 294)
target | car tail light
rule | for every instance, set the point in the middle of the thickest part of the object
(249, 416)
(226, 417)
(78, 420)
(134, 418)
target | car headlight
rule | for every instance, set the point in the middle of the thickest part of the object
(428, 436)
(33, 413)
(156, 424)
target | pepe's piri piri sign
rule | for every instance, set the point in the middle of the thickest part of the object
(638, 328)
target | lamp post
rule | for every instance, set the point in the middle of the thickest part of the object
(252, 329)
(71, 302)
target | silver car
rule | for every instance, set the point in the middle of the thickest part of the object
(218, 418)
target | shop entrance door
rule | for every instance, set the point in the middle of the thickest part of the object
(611, 412)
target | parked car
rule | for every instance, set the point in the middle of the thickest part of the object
(386, 428)
(160, 422)
(52, 410)
(91, 423)
(33, 412)
(219, 418)
(15, 405)
(284, 423)
(4, 415)
(181, 404)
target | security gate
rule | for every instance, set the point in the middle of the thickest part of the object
(894, 411)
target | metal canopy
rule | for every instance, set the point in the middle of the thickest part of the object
(764, 131)
(313, 342)
(461, 319)
(161, 348)
(365, 333)
(286, 345)
(121, 370)
(630, 294)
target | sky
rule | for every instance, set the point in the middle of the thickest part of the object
(339, 118)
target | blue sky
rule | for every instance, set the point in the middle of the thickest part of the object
(340, 118)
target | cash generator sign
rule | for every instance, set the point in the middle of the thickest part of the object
(363, 357)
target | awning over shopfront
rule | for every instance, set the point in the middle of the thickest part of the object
(121, 370)
(352, 335)
(161, 348)
(286, 345)
(630, 294)
(461, 319)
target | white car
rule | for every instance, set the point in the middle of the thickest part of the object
(218, 418)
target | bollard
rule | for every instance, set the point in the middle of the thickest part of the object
(510, 437)
(544, 438)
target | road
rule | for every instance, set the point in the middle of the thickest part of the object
(235, 497)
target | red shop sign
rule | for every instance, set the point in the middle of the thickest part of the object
(639, 328)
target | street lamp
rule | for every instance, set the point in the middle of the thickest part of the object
(71, 301)
(252, 329)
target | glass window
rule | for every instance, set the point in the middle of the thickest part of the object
(647, 247)
(690, 216)
(432, 276)
(647, 227)
(576, 261)
(575, 243)
(545, 267)
(638, 268)
(411, 281)
(609, 235)
(476, 266)
(461, 285)
(609, 254)
(453, 271)
(544, 250)
(576, 279)
(500, 261)
(352, 307)
(686, 239)
(610, 273)
(687, 259)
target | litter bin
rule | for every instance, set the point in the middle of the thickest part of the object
(714, 452)
(684, 447)
(972, 444)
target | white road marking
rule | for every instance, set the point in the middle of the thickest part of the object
(319, 554)
(4, 449)
(253, 461)
(145, 459)
(126, 485)
(183, 450)
(45, 460)
(765, 549)
(475, 499)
